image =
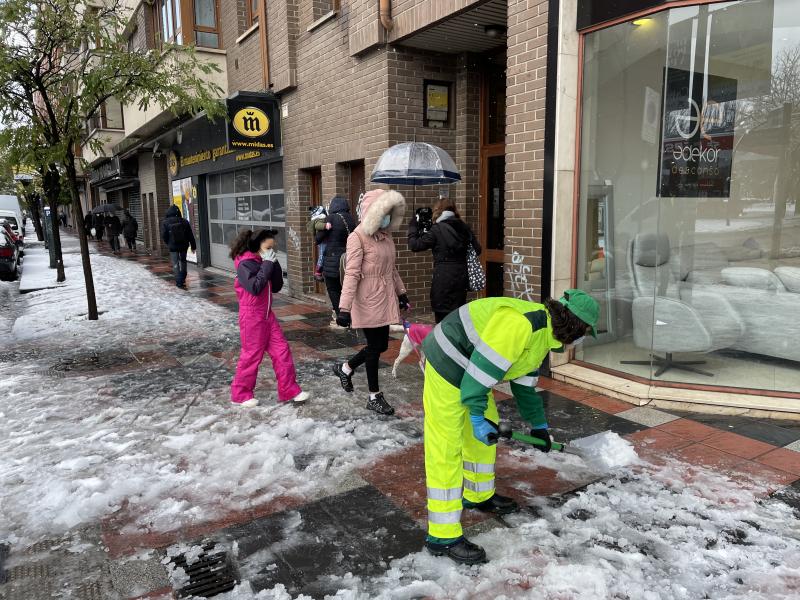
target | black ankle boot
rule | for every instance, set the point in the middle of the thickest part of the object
(345, 379)
(497, 504)
(463, 551)
(379, 404)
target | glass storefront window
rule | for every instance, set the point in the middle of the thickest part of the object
(689, 180)
(247, 198)
(243, 180)
(258, 178)
(261, 210)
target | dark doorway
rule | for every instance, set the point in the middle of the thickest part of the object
(493, 169)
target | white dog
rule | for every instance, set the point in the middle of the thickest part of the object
(415, 333)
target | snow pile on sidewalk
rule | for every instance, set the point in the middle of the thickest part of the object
(605, 451)
(648, 533)
(131, 302)
(161, 445)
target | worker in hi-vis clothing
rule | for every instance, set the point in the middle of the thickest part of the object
(473, 349)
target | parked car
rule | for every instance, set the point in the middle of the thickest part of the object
(5, 224)
(9, 206)
(13, 220)
(9, 257)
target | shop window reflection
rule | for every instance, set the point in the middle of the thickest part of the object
(689, 177)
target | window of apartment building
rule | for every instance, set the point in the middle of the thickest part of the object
(109, 116)
(252, 12)
(168, 16)
(199, 19)
(206, 23)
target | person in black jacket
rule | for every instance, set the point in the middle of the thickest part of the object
(88, 223)
(114, 226)
(130, 227)
(339, 224)
(177, 235)
(449, 238)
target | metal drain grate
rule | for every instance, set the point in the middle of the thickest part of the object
(210, 574)
(90, 363)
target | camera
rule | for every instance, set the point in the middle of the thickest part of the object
(424, 218)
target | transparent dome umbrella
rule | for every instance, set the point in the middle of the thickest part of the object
(415, 163)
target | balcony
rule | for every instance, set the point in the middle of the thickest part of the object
(143, 123)
(105, 129)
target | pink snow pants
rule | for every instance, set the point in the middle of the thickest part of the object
(261, 335)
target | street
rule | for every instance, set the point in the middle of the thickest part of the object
(121, 450)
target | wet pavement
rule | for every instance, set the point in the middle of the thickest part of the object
(377, 512)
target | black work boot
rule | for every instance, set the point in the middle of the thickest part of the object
(497, 504)
(345, 379)
(379, 404)
(463, 551)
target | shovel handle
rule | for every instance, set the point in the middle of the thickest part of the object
(535, 441)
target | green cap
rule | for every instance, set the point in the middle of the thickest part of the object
(583, 306)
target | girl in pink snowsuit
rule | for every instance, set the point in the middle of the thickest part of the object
(258, 274)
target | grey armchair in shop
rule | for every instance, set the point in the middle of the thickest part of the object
(669, 316)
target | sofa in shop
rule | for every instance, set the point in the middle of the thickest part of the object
(670, 318)
(706, 298)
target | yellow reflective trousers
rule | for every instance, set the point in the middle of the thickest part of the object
(456, 464)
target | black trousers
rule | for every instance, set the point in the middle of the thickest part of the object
(334, 287)
(369, 355)
(114, 241)
(131, 241)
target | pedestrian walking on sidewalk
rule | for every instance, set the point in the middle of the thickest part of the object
(373, 293)
(258, 275)
(449, 238)
(177, 235)
(114, 230)
(99, 221)
(338, 226)
(130, 227)
(88, 224)
(472, 350)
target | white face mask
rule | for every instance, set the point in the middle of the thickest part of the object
(386, 221)
(578, 341)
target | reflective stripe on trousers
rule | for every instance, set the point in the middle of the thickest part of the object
(453, 457)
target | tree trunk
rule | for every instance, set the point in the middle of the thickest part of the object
(77, 214)
(36, 216)
(51, 181)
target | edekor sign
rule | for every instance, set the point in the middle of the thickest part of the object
(253, 122)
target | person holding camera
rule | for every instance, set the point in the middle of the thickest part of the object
(443, 232)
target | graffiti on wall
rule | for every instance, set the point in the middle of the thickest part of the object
(293, 238)
(292, 201)
(519, 273)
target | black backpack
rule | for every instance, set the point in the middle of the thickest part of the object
(177, 233)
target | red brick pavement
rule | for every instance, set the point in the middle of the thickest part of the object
(400, 476)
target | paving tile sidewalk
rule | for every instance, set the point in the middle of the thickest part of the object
(338, 530)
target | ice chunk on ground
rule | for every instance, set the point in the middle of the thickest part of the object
(606, 451)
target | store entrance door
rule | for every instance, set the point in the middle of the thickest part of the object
(493, 170)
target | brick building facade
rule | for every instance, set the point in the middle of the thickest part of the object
(350, 90)
(350, 86)
(526, 101)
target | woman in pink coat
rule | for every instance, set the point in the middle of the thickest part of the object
(258, 274)
(373, 293)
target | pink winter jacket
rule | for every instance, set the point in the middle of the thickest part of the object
(255, 282)
(371, 281)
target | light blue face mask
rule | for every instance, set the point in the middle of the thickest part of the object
(386, 221)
